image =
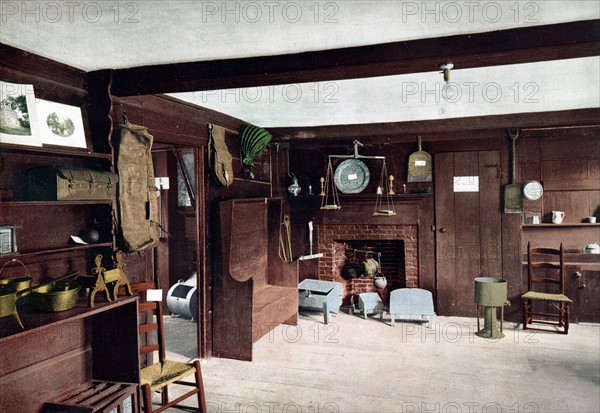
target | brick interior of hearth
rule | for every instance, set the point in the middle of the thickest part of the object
(398, 245)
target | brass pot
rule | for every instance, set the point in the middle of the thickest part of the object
(55, 296)
(371, 267)
(8, 303)
(19, 284)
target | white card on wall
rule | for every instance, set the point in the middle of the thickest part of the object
(154, 295)
(466, 184)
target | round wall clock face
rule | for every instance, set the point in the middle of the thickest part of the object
(532, 190)
(351, 176)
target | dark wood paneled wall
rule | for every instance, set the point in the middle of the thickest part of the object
(567, 163)
(565, 159)
(178, 125)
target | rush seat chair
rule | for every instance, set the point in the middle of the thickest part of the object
(158, 376)
(548, 271)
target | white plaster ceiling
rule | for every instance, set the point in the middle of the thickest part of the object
(107, 34)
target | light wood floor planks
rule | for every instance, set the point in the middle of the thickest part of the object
(357, 365)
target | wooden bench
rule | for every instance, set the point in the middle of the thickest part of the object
(254, 289)
(411, 302)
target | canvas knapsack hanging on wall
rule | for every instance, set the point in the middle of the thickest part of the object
(138, 217)
(219, 158)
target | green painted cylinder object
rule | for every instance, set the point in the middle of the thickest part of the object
(490, 291)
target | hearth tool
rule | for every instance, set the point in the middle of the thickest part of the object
(285, 242)
(310, 243)
(419, 165)
(490, 293)
(513, 197)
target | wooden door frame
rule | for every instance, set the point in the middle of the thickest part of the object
(203, 280)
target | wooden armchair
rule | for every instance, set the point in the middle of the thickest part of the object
(542, 271)
(158, 376)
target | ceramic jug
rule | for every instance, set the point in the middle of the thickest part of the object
(557, 217)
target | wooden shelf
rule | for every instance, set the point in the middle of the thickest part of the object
(27, 254)
(365, 198)
(573, 257)
(53, 151)
(36, 321)
(547, 225)
(54, 203)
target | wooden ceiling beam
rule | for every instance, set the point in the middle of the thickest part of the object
(539, 123)
(521, 45)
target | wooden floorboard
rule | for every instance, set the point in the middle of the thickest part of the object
(357, 365)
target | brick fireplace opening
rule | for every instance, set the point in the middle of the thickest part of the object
(398, 245)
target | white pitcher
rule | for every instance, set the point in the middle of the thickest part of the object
(557, 217)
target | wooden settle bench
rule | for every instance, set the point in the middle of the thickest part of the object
(254, 290)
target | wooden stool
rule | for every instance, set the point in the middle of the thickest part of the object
(95, 397)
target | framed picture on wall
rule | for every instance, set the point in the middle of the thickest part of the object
(18, 120)
(60, 124)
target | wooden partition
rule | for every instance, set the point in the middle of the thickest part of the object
(254, 289)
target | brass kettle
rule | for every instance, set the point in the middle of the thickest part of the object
(371, 267)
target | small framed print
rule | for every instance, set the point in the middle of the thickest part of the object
(8, 239)
(18, 115)
(60, 124)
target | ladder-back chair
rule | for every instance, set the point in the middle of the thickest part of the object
(158, 376)
(549, 270)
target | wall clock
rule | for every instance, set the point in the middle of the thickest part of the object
(532, 190)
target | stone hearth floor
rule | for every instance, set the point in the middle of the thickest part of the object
(357, 365)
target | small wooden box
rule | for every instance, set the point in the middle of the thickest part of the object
(320, 295)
